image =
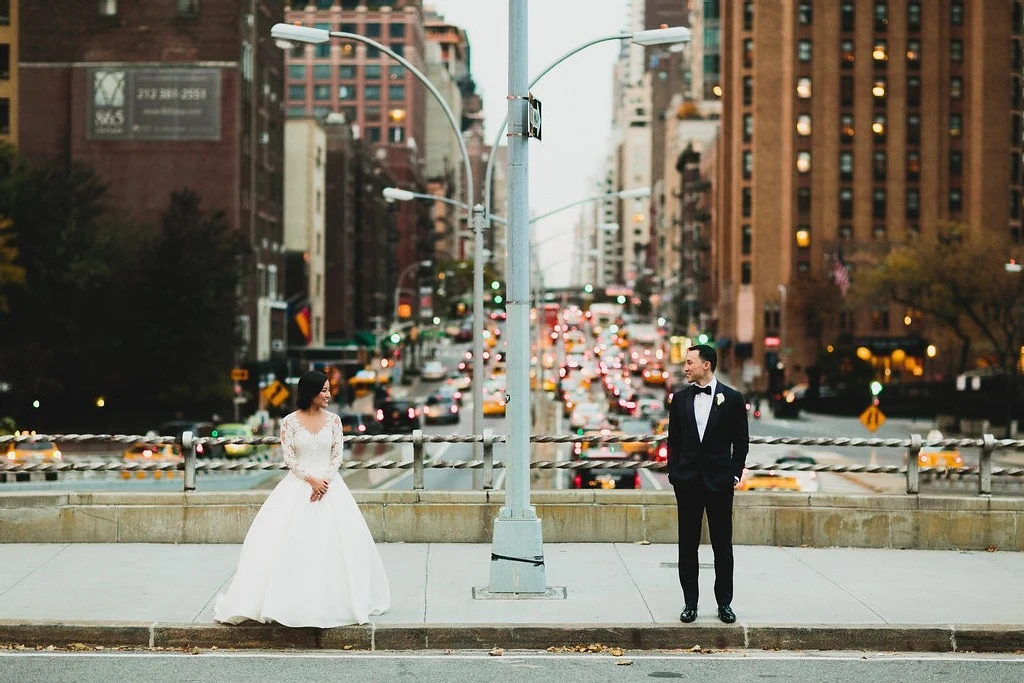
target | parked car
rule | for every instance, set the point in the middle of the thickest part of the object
(610, 474)
(441, 409)
(357, 424)
(398, 416)
(236, 450)
(433, 371)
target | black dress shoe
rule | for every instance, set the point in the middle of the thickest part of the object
(726, 614)
(688, 615)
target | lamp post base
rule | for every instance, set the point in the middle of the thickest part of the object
(517, 556)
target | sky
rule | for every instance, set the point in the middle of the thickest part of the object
(576, 102)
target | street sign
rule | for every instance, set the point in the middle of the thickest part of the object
(276, 393)
(872, 418)
(239, 374)
(533, 125)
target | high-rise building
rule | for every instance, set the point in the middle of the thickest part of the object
(161, 96)
(846, 124)
(8, 70)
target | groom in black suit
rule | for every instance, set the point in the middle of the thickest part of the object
(707, 447)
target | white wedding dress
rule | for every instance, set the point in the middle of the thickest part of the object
(307, 563)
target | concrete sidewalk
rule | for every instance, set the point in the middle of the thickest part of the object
(624, 595)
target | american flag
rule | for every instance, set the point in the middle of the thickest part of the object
(840, 273)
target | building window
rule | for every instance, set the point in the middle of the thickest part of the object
(913, 203)
(396, 72)
(913, 54)
(880, 319)
(347, 72)
(803, 200)
(956, 14)
(748, 53)
(396, 92)
(846, 128)
(372, 112)
(846, 233)
(878, 204)
(372, 52)
(1015, 204)
(803, 13)
(879, 167)
(396, 134)
(322, 72)
(371, 72)
(846, 203)
(878, 232)
(955, 125)
(913, 91)
(297, 72)
(372, 30)
(346, 92)
(803, 50)
(881, 16)
(107, 8)
(746, 240)
(914, 16)
(746, 202)
(1015, 130)
(956, 163)
(847, 16)
(956, 51)
(880, 53)
(913, 129)
(803, 162)
(748, 164)
(803, 88)
(324, 4)
(396, 30)
(373, 133)
(846, 56)
(748, 90)
(846, 165)
(188, 8)
(803, 124)
(913, 165)
(296, 92)
(371, 93)
(5, 116)
(296, 111)
(1015, 168)
(803, 236)
(321, 92)
(745, 273)
(748, 15)
(956, 87)
(878, 127)
(846, 91)
(322, 51)
(956, 201)
(748, 127)
(398, 49)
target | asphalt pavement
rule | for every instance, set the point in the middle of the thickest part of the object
(624, 595)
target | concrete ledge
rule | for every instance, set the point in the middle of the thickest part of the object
(935, 522)
(885, 638)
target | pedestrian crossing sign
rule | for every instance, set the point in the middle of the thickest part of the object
(872, 418)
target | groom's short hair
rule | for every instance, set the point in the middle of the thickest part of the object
(706, 353)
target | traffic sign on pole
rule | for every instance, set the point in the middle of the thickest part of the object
(872, 418)
(239, 374)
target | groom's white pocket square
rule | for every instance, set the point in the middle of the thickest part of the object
(720, 398)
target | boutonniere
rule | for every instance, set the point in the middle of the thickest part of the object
(720, 398)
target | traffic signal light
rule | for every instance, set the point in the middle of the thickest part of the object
(703, 338)
(498, 299)
(588, 288)
(495, 284)
(876, 388)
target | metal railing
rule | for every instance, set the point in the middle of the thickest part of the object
(190, 464)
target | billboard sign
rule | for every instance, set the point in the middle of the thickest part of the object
(154, 103)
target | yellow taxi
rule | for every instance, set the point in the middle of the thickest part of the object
(658, 451)
(494, 405)
(33, 452)
(938, 457)
(768, 481)
(158, 453)
(366, 381)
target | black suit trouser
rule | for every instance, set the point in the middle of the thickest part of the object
(693, 499)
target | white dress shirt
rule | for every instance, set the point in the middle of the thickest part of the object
(702, 407)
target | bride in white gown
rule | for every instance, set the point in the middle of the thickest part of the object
(308, 559)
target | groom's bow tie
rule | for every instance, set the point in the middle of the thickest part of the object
(702, 390)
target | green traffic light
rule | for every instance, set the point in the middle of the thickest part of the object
(495, 284)
(620, 299)
(395, 338)
(588, 288)
(498, 299)
(703, 338)
(876, 388)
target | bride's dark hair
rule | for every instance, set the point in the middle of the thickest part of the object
(310, 385)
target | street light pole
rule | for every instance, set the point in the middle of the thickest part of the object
(517, 549)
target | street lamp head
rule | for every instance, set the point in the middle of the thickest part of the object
(635, 193)
(665, 35)
(285, 35)
(426, 263)
(395, 194)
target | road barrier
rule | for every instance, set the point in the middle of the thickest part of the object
(986, 446)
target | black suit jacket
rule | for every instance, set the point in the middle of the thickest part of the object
(722, 453)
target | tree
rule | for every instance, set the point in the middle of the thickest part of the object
(11, 274)
(196, 265)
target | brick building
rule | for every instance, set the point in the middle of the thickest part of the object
(8, 70)
(162, 95)
(846, 124)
